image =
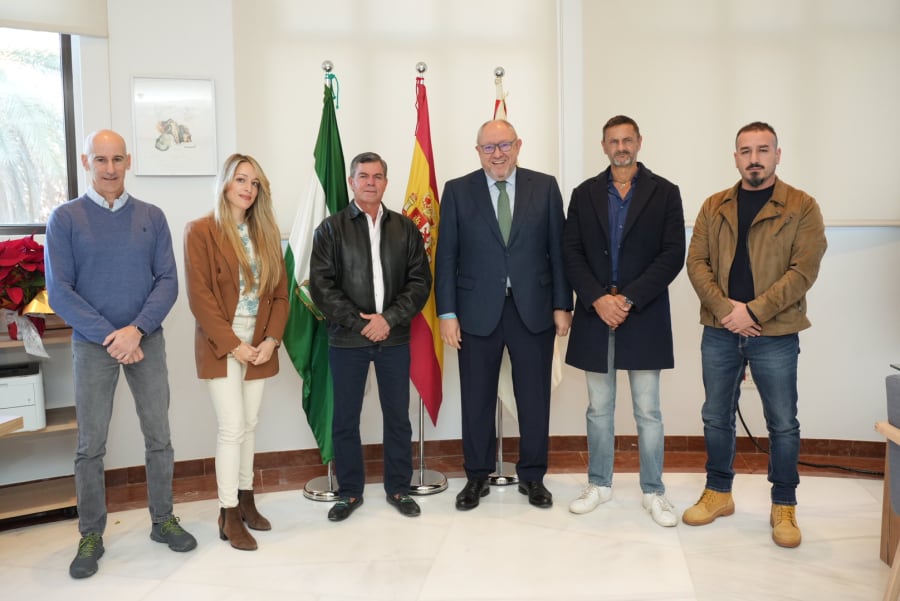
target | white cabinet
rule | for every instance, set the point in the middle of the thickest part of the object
(41, 459)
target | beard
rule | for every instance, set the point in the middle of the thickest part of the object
(755, 181)
(623, 159)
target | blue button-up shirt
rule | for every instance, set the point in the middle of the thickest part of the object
(618, 212)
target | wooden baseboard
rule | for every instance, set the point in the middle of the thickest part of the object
(453, 447)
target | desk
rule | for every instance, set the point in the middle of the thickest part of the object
(11, 423)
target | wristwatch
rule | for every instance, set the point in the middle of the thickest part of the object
(629, 302)
(275, 340)
(140, 331)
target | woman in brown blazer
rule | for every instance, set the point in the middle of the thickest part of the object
(237, 290)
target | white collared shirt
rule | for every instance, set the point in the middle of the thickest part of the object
(117, 204)
(375, 245)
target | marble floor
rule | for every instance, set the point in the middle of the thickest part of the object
(503, 550)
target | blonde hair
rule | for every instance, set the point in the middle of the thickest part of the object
(261, 225)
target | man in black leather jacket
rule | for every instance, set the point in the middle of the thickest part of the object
(369, 276)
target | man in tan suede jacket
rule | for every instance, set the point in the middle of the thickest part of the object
(754, 253)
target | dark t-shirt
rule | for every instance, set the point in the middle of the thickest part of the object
(740, 280)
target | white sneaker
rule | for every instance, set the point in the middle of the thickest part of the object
(659, 507)
(590, 497)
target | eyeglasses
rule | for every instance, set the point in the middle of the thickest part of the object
(502, 146)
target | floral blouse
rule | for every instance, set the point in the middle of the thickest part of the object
(248, 302)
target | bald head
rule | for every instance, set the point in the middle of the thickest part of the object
(102, 135)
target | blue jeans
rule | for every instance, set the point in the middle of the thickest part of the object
(96, 375)
(773, 365)
(349, 368)
(601, 414)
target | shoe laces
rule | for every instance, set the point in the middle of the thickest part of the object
(171, 526)
(663, 503)
(88, 545)
(588, 491)
(708, 497)
(784, 513)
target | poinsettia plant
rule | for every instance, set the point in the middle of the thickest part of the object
(21, 272)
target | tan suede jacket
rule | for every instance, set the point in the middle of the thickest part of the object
(212, 280)
(786, 244)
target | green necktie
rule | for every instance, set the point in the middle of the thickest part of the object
(504, 214)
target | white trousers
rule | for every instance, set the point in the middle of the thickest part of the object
(236, 402)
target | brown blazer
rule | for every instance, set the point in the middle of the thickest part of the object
(212, 278)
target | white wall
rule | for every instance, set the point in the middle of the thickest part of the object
(824, 74)
(265, 57)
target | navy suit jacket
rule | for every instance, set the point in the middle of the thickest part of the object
(651, 255)
(472, 262)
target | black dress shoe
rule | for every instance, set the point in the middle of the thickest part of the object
(343, 508)
(471, 494)
(538, 495)
(405, 504)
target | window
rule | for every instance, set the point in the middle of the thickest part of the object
(38, 169)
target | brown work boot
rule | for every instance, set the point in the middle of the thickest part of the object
(231, 528)
(249, 512)
(711, 505)
(785, 531)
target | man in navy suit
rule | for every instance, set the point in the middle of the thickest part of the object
(623, 245)
(500, 282)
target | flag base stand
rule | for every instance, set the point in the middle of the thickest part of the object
(505, 474)
(425, 481)
(322, 488)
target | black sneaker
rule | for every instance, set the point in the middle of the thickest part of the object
(90, 549)
(171, 533)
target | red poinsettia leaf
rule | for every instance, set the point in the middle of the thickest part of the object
(15, 294)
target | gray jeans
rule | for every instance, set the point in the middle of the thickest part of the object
(96, 376)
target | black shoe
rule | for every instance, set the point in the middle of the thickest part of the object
(470, 495)
(171, 533)
(343, 508)
(90, 549)
(405, 504)
(538, 495)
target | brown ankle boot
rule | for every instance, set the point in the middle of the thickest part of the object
(231, 528)
(249, 512)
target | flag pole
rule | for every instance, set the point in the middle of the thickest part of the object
(323, 488)
(425, 481)
(505, 473)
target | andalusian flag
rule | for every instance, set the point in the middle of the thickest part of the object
(422, 206)
(305, 337)
(500, 102)
(505, 384)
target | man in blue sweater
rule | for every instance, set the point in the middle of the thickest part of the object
(111, 275)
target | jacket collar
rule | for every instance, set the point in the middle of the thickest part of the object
(355, 211)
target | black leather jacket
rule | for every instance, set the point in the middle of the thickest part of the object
(341, 275)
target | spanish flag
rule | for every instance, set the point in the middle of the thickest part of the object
(422, 206)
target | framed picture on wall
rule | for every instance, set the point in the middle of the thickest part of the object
(174, 126)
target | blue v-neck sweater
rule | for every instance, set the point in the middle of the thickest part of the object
(109, 269)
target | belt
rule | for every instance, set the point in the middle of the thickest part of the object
(612, 289)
